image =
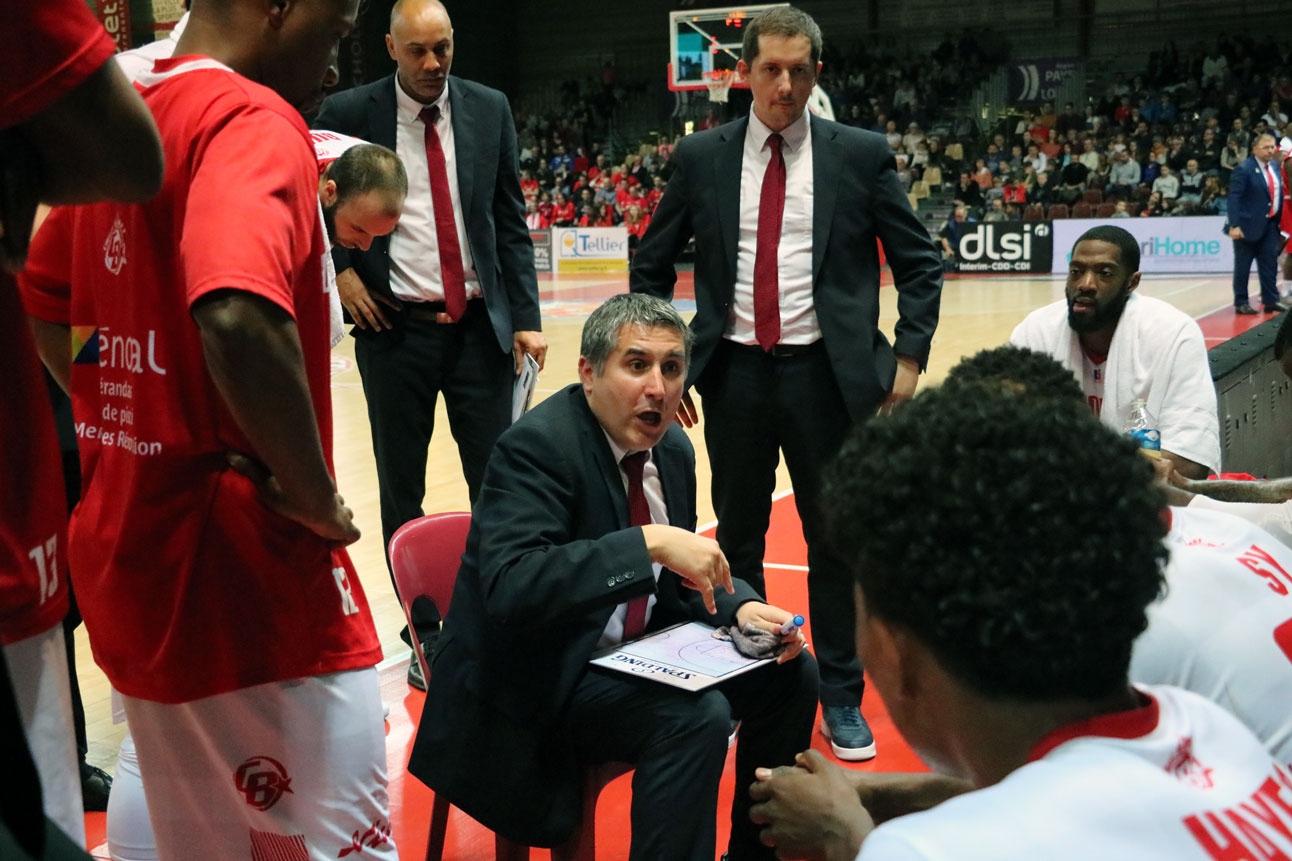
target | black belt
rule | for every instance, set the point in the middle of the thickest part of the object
(784, 351)
(437, 312)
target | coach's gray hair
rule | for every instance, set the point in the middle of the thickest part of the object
(601, 331)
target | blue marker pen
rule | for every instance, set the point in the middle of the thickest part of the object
(789, 626)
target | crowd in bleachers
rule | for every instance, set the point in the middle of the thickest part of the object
(1161, 143)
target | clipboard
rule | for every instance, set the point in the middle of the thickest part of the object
(685, 655)
(523, 392)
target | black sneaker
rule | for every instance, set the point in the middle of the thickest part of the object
(415, 677)
(95, 786)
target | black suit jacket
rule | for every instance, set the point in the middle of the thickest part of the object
(549, 556)
(857, 200)
(488, 181)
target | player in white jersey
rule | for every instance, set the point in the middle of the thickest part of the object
(1224, 628)
(996, 614)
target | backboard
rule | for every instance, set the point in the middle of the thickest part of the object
(703, 42)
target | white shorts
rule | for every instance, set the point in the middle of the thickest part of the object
(287, 771)
(38, 668)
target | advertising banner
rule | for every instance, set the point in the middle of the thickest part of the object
(1040, 80)
(1195, 243)
(542, 240)
(590, 249)
(1006, 246)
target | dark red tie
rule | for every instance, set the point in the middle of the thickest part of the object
(446, 228)
(638, 515)
(767, 283)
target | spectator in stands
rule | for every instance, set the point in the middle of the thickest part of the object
(528, 185)
(1036, 158)
(635, 221)
(1016, 191)
(969, 193)
(1214, 199)
(1154, 206)
(587, 216)
(912, 137)
(1275, 117)
(1072, 182)
(1122, 345)
(996, 210)
(1123, 176)
(1167, 185)
(1068, 121)
(1234, 154)
(1121, 210)
(607, 216)
(1089, 156)
(982, 174)
(949, 237)
(533, 219)
(1207, 152)
(1191, 181)
(892, 135)
(605, 191)
(563, 212)
(1052, 148)
(1044, 190)
(903, 171)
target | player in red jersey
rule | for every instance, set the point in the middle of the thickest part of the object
(208, 544)
(71, 130)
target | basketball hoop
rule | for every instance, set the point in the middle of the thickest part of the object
(719, 84)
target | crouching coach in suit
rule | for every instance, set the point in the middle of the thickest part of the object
(582, 537)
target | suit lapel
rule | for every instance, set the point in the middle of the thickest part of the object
(672, 482)
(727, 167)
(464, 130)
(827, 166)
(382, 118)
(594, 441)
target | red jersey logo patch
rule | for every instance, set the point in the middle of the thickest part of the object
(1186, 767)
(262, 781)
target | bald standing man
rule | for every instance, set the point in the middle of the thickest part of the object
(443, 306)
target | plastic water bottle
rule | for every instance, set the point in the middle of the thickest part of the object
(1141, 426)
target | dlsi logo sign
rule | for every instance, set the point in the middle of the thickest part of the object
(1006, 244)
(997, 247)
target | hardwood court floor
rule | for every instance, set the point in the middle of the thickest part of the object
(977, 312)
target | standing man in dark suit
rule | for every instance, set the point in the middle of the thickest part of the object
(448, 303)
(1255, 204)
(787, 211)
(571, 548)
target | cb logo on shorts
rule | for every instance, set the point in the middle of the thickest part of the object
(262, 781)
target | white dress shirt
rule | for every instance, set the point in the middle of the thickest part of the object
(414, 244)
(798, 317)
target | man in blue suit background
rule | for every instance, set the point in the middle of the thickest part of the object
(1255, 204)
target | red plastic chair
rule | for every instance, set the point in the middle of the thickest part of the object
(424, 557)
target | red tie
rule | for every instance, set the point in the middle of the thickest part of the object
(638, 515)
(1273, 187)
(767, 289)
(446, 229)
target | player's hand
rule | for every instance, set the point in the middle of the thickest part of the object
(687, 415)
(771, 618)
(810, 810)
(1235, 233)
(333, 520)
(528, 342)
(699, 561)
(364, 306)
(904, 383)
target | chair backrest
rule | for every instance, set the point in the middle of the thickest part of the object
(1093, 196)
(424, 557)
(1105, 210)
(1057, 210)
(933, 176)
(1081, 209)
(1034, 212)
